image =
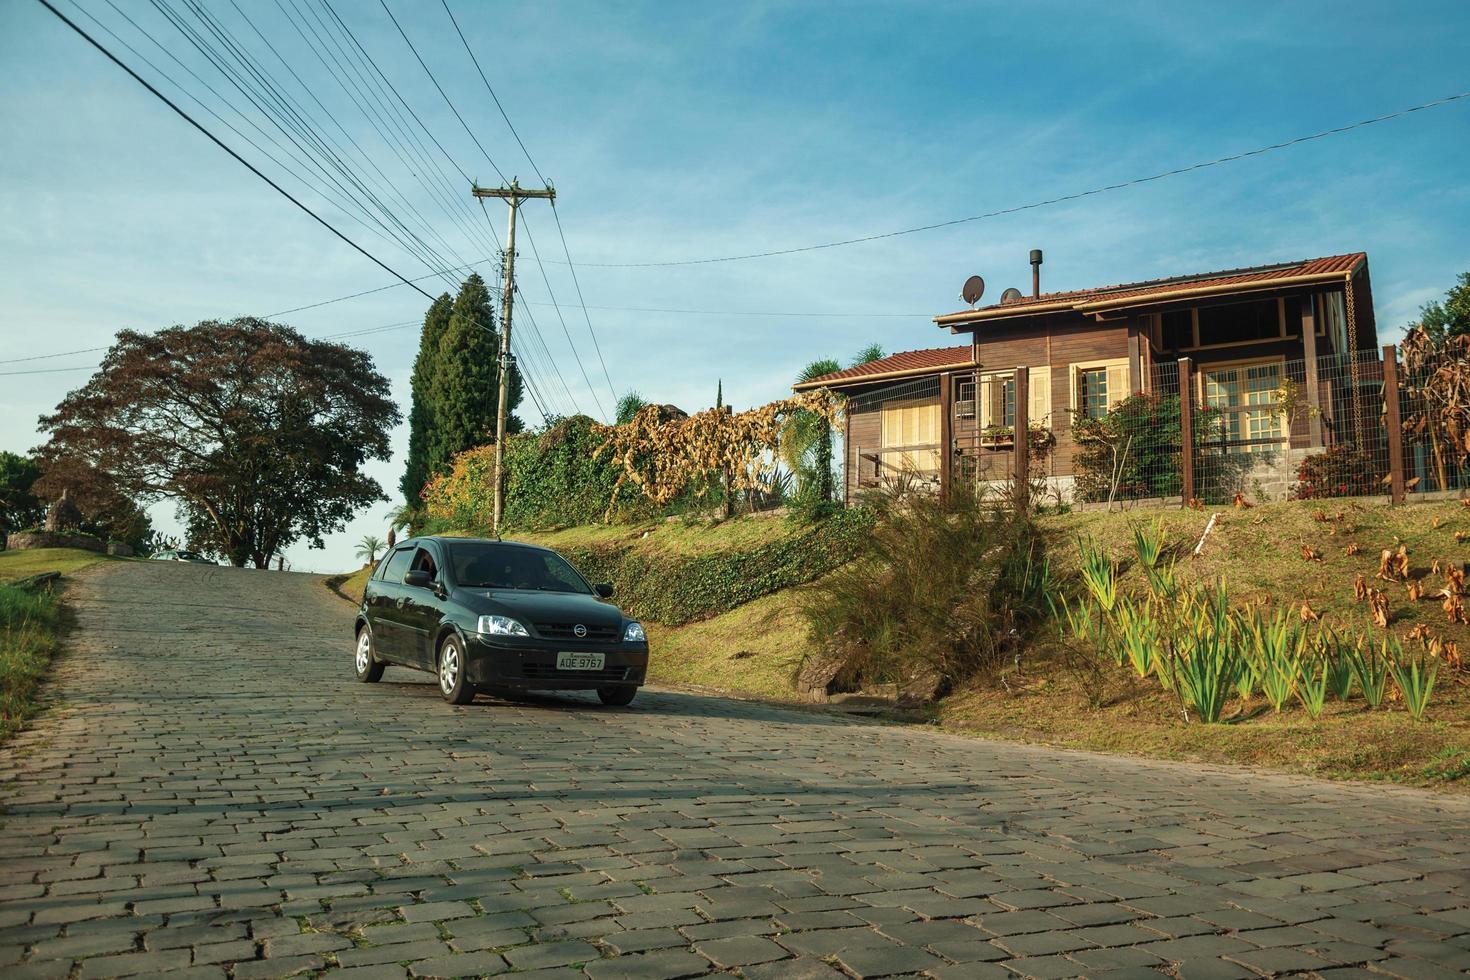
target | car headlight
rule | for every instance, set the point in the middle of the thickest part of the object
(501, 626)
(634, 634)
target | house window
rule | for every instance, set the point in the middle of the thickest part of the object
(964, 400)
(1237, 322)
(1247, 394)
(1092, 392)
(998, 401)
(910, 437)
(1098, 386)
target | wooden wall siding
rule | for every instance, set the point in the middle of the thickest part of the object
(865, 433)
(1363, 311)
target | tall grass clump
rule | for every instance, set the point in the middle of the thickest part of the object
(28, 624)
(943, 591)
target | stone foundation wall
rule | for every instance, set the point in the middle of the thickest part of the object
(25, 540)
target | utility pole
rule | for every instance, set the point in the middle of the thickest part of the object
(513, 196)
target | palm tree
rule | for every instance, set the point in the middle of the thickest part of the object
(628, 406)
(368, 548)
(872, 352)
(806, 440)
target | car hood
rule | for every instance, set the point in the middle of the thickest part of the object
(541, 607)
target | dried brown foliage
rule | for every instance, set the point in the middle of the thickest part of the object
(1378, 606)
(1311, 554)
(1360, 587)
(664, 456)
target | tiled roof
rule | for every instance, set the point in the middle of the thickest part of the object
(1125, 294)
(895, 365)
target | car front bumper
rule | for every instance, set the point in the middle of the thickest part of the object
(532, 665)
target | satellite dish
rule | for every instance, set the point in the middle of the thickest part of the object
(973, 289)
(1012, 295)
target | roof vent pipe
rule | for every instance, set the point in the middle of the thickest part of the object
(1035, 273)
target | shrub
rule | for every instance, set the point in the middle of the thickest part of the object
(673, 589)
(942, 591)
(1138, 445)
(1339, 471)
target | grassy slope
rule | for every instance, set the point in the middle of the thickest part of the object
(29, 627)
(16, 565)
(1258, 552)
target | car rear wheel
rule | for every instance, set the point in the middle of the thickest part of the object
(364, 661)
(453, 682)
(617, 696)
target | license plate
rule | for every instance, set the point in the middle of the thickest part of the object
(580, 661)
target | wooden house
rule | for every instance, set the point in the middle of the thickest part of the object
(1245, 333)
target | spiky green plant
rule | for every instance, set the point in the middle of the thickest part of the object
(1370, 667)
(1275, 645)
(1334, 648)
(1209, 662)
(1311, 684)
(1414, 675)
(1099, 574)
(1137, 636)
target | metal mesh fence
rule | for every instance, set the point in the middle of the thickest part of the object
(1126, 445)
(899, 439)
(1262, 429)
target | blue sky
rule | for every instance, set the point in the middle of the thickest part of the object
(677, 131)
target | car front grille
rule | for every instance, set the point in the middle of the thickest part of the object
(567, 631)
(550, 672)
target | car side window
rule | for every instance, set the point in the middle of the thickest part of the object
(397, 566)
(424, 562)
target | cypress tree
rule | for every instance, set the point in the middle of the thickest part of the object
(465, 385)
(421, 415)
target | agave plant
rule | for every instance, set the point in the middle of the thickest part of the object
(1370, 667)
(1137, 637)
(1334, 648)
(1311, 684)
(1099, 574)
(1209, 664)
(1275, 645)
(1414, 675)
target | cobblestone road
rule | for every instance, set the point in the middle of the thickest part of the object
(212, 795)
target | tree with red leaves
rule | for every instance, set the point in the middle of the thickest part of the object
(257, 432)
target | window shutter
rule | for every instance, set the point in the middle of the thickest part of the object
(1038, 404)
(1118, 384)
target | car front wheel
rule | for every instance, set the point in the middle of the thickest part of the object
(617, 696)
(453, 682)
(366, 664)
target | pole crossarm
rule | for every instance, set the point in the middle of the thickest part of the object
(515, 192)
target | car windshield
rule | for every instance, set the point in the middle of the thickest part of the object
(490, 565)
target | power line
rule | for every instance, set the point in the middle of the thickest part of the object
(1219, 161)
(223, 146)
(596, 346)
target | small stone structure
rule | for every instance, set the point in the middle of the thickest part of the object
(63, 514)
(62, 520)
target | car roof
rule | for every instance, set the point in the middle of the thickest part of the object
(449, 539)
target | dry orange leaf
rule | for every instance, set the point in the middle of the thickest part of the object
(1309, 615)
(1454, 609)
(1360, 588)
(1352, 548)
(1378, 605)
(1419, 632)
(1311, 554)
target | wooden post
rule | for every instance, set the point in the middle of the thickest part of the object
(1309, 354)
(850, 459)
(1186, 427)
(946, 436)
(1022, 439)
(1395, 427)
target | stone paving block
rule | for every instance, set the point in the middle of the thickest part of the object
(285, 966)
(801, 968)
(886, 960)
(740, 951)
(459, 965)
(661, 965)
(551, 954)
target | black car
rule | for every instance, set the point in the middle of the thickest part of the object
(497, 615)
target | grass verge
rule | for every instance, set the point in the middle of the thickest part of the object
(29, 625)
(16, 565)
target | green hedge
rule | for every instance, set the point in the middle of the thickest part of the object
(677, 589)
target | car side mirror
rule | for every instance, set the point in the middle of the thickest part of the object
(418, 578)
(604, 590)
